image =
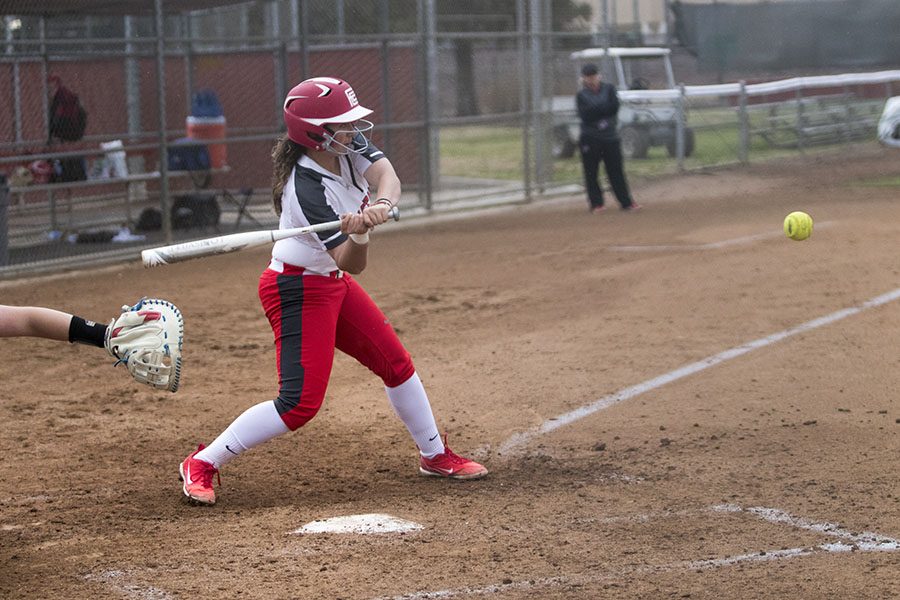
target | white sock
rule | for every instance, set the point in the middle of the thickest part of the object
(411, 404)
(256, 425)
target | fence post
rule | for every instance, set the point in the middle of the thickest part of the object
(4, 224)
(304, 40)
(848, 117)
(51, 201)
(744, 118)
(165, 202)
(384, 27)
(132, 74)
(45, 71)
(798, 94)
(522, 30)
(429, 78)
(679, 127)
(188, 63)
(537, 93)
(17, 99)
(280, 58)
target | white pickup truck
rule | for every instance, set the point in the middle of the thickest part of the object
(642, 123)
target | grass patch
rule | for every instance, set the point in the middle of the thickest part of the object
(887, 181)
(481, 151)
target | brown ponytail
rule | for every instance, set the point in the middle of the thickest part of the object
(285, 155)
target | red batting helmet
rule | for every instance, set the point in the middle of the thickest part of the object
(315, 102)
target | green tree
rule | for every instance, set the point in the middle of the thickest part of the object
(453, 16)
(482, 16)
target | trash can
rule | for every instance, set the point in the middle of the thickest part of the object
(207, 123)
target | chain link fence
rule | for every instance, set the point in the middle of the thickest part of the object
(473, 101)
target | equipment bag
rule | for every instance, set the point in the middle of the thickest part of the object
(187, 154)
(68, 119)
(150, 219)
(71, 168)
(195, 210)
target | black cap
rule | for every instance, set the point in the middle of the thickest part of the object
(588, 70)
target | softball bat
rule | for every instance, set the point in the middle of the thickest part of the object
(223, 244)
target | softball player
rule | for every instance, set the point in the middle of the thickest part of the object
(36, 321)
(145, 337)
(323, 170)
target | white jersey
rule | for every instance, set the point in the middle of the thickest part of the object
(315, 195)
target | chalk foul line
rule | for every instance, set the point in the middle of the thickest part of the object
(850, 542)
(520, 439)
(865, 540)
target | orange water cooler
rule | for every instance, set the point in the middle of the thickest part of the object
(209, 130)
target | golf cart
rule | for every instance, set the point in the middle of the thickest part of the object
(889, 124)
(642, 122)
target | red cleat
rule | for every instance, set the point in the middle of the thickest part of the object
(450, 465)
(197, 476)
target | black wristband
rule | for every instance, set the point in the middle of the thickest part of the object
(87, 332)
(384, 201)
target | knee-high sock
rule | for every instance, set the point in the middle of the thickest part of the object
(256, 425)
(411, 404)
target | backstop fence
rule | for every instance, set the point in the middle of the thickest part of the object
(473, 108)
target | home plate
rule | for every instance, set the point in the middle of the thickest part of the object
(363, 524)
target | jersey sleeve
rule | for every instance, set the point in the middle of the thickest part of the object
(314, 205)
(363, 160)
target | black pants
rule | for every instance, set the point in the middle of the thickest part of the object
(610, 152)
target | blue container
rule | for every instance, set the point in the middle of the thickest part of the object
(205, 103)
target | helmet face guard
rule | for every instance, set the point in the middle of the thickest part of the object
(321, 101)
(359, 141)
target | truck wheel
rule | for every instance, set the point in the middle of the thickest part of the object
(563, 146)
(688, 143)
(635, 142)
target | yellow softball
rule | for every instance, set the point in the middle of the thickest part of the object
(798, 225)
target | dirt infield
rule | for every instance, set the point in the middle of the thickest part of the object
(599, 364)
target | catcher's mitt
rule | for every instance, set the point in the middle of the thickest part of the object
(147, 337)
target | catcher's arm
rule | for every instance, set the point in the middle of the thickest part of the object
(147, 338)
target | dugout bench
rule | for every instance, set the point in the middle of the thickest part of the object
(42, 212)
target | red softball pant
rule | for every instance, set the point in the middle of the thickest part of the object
(311, 315)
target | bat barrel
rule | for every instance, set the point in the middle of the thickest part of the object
(199, 248)
(151, 258)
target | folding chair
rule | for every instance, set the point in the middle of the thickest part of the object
(243, 210)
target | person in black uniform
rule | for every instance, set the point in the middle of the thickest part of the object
(598, 105)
